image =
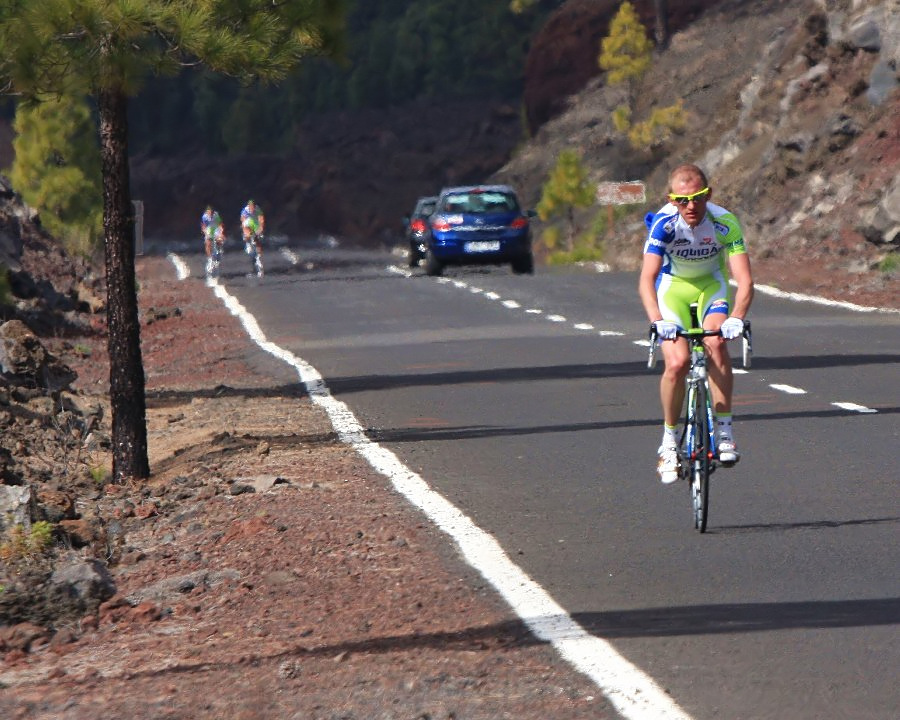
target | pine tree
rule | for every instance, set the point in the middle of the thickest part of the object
(627, 51)
(566, 190)
(627, 54)
(107, 48)
(57, 168)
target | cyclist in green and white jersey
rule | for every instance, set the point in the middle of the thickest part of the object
(253, 222)
(692, 247)
(212, 228)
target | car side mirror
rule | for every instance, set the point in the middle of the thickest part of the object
(531, 213)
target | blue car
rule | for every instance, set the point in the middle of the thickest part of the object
(478, 225)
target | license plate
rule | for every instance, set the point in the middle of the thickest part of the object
(482, 246)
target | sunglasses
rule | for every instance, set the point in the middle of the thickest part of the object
(698, 196)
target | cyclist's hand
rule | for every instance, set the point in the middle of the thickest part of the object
(732, 328)
(665, 330)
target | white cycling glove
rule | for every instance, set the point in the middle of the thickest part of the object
(666, 330)
(732, 328)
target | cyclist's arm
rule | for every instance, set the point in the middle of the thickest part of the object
(739, 266)
(650, 268)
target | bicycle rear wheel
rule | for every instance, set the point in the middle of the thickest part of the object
(698, 458)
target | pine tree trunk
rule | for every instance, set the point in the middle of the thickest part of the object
(126, 369)
(662, 23)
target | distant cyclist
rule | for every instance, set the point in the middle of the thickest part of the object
(690, 249)
(212, 228)
(253, 222)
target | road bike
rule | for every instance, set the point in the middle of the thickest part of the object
(698, 452)
(214, 261)
(251, 247)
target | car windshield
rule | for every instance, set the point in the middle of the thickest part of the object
(480, 202)
(425, 207)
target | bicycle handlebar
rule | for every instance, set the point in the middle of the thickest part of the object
(700, 333)
(697, 332)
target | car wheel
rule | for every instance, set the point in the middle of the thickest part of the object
(433, 266)
(523, 265)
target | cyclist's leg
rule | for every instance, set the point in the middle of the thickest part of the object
(714, 310)
(721, 377)
(671, 385)
(674, 298)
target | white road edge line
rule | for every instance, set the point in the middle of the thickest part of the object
(182, 271)
(800, 297)
(634, 694)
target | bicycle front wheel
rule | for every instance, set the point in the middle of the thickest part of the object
(699, 467)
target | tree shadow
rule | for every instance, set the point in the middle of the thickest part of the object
(809, 525)
(471, 432)
(693, 620)
(157, 399)
(367, 383)
(814, 362)
(595, 371)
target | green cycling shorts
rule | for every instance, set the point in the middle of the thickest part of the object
(675, 295)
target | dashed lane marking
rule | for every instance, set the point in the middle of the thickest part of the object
(789, 389)
(765, 289)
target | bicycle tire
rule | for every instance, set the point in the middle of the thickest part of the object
(699, 467)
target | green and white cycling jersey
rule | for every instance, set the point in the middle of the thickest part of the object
(250, 218)
(693, 252)
(694, 265)
(210, 224)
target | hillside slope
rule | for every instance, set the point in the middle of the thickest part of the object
(792, 111)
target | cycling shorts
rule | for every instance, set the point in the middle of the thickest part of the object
(675, 295)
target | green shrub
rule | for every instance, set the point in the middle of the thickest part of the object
(26, 546)
(99, 474)
(890, 263)
(5, 295)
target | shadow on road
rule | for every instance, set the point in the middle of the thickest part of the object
(471, 432)
(741, 618)
(532, 373)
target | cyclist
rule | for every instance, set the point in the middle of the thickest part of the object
(212, 228)
(692, 244)
(253, 222)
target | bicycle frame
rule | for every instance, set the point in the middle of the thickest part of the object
(698, 449)
(252, 248)
(698, 446)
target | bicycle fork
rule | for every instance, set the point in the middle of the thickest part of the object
(692, 426)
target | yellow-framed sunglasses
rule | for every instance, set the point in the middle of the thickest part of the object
(698, 196)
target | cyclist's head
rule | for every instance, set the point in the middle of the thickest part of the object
(251, 203)
(209, 209)
(689, 191)
(685, 173)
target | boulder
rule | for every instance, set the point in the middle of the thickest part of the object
(25, 362)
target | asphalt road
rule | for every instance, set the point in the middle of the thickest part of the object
(527, 403)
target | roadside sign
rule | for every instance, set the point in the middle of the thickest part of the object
(630, 192)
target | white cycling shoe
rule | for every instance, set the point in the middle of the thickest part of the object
(728, 454)
(669, 465)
